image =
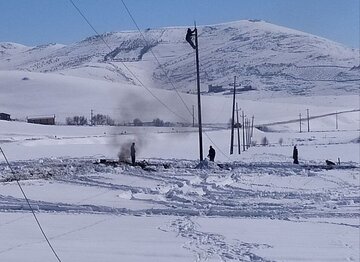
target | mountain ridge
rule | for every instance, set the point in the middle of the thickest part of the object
(272, 59)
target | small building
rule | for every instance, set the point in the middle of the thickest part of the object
(247, 88)
(215, 89)
(43, 120)
(4, 116)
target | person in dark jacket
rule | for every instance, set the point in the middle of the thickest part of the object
(296, 155)
(211, 154)
(132, 153)
(188, 37)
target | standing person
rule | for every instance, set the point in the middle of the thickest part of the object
(132, 153)
(211, 154)
(295, 155)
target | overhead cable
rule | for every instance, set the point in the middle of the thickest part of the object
(132, 73)
(162, 68)
(157, 60)
(127, 68)
(31, 208)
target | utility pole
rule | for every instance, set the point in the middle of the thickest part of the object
(190, 33)
(198, 91)
(252, 128)
(300, 121)
(238, 128)
(308, 119)
(233, 120)
(248, 134)
(243, 128)
(336, 120)
(91, 117)
(193, 115)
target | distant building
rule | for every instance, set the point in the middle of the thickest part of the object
(4, 116)
(215, 89)
(246, 88)
(44, 120)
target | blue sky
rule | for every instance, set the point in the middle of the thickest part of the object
(34, 22)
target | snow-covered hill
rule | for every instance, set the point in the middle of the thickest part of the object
(274, 60)
(25, 94)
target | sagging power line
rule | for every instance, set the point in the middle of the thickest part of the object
(156, 58)
(141, 83)
(127, 68)
(175, 89)
(31, 208)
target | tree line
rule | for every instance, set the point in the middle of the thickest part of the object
(100, 119)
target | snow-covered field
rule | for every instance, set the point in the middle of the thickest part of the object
(256, 206)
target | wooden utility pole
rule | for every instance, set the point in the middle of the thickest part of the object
(243, 128)
(190, 33)
(233, 120)
(91, 117)
(252, 128)
(308, 119)
(248, 133)
(300, 121)
(198, 94)
(336, 120)
(193, 115)
(238, 128)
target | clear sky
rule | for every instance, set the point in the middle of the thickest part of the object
(34, 22)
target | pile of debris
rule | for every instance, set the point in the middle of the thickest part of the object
(145, 165)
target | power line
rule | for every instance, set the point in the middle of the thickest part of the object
(88, 22)
(157, 60)
(151, 93)
(166, 74)
(127, 68)
(31, 208)
(218, 148)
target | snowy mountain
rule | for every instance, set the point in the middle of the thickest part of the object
(273, 60)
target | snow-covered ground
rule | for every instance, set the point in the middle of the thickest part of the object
(256, 206)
